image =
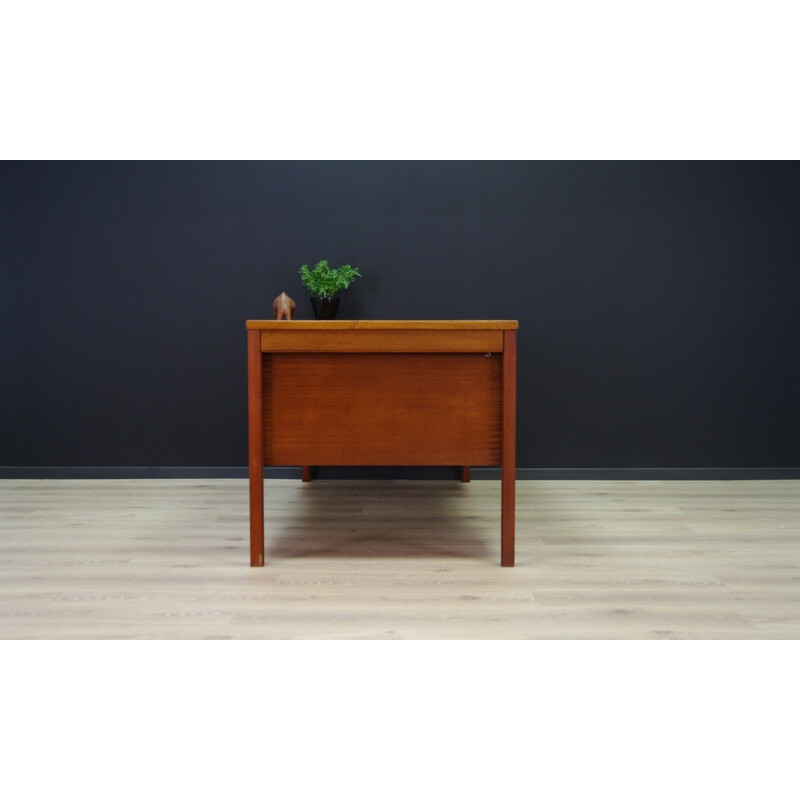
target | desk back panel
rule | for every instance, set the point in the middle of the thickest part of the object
(366, 409)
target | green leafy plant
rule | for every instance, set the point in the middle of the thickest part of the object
(324, 281)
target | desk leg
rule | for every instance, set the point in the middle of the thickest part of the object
(508, 464)
(464, 474)
(256, 441)
(306, 474)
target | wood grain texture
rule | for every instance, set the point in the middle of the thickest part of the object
(256, 450)
(291, 340)
(283, 307)
(397, 409)
(386, 392)
(163, 559)
(509, 448)
(387, 324)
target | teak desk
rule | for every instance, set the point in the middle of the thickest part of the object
(382, 393)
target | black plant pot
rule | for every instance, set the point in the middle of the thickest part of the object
(325, 307)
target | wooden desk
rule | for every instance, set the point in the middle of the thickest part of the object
(382, 392)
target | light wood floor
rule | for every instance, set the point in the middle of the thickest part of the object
(160, 559)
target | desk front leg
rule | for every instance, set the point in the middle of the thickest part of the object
(508, 463)
(256, 444)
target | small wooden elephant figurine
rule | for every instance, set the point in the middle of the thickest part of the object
(283, 306)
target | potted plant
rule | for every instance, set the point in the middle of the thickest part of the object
(325, 283)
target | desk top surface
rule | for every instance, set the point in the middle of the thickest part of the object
(382, 324)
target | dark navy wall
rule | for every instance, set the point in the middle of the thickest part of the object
(658, 302)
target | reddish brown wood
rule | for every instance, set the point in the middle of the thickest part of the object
(256, 438)
(306, 474)
(361, 409)
(508, 466)
(420, 392)
(388, 324)
(290, 339)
